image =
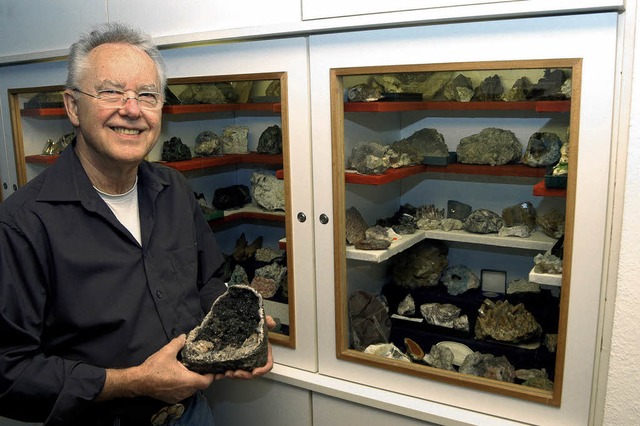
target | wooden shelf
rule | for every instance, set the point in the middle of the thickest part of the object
(513, 170)
(209, 108)
(198, 163)
(250, 211)
(46, 160)
(43, 112)
(537, 106)
(541, 190)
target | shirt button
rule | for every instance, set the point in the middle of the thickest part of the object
(174, 332)
(159, 294)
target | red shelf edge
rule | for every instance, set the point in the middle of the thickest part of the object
(541, 190)
(538, 106)
(198, 163)
(41, 159)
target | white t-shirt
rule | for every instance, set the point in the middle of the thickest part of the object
(125, 207)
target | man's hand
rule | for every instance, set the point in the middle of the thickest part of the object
(161, 376)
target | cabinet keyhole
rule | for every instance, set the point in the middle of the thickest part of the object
(324, 219)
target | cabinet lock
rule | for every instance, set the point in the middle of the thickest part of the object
(302, 217)
(324, 219)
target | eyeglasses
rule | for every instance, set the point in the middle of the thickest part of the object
(116, 99)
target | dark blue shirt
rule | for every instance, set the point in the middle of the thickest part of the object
(78, 294)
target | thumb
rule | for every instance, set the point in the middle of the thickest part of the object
(176, 344)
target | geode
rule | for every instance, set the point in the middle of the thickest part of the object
(231, 197)
(233, 335)
(543, 149)
(458, 279)
(491, 146)
(270, 141)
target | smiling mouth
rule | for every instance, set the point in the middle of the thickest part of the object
(124, 131)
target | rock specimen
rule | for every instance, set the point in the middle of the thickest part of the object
(543, 149)
(235, 140)
(364, 93)
(520, 214)
(551, 223)
(231, 197)
(53, 148)
(489, 90)
(387, 350)
(458, 279)
(175, 150)
(547, 264)
(267, 191)
(539, 382)
(429, 212)
(238, 276)
(356, 226)
(521, 285)
(444, 315)
(421, 265)
(489, 366)
(273, 89)
(413, 350)
(483, 221)
(265, 286)
(233, 335)
(369, 320)
(423, 143)
(207, 144)
(268, 254)
(491, 146)
(206, 93)
(372, 244)
(458, 210)
(451, 224)
(550, 85)
(504, 322)
(520, 91)
(403, 221)
(243, 250)
(440, 357)
(407, 306)
(370, 158)
(521, 231)
(459, 89)
(270, 141)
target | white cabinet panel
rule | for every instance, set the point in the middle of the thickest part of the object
(589, 37)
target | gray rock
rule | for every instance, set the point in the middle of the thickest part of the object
(233, 335)
(370, 158)
(489, 90)
(175, 150)
(520, 214)
(521, 285)
(273, 271)
(444, 315)
(206, 93)
(355, 226)
(491, 146)
(451, 224)
(423, 143)
(238, 276)
(455, 90)
(268, 254)
(489, 366)
(440, 357)
(364, 93)
(207, 144)
(270, 141)
(547, 263)
(520, 91)
(369, 320)
(458, 279)
(378, 232)
(458, 210)
(483, 221)
(421, 265)
(407, 306)
(372, 244)
(551, 223)
(235, 140)
(429, 212)
(543, 149)
(273, 89)
(267, 191)
(514, 231)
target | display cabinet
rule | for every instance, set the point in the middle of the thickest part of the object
(449, 296)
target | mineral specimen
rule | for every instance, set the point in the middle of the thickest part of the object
(458, 210)
(521, 285)
(440, 357)
(547, 264)
(543, 149)
(235, 140)
(175, 150)
(521, 231)
(444, 315)
(364, 93)
(489, 90)
(267, 190)
(370, 321)
(355, 226)
(520, 214)
(520, 91)
(207, 144)
(238, 276)
(407, 306)
(233, 335)
(489, 366)
(504, 322)
(453, 92)
(243, 250)
(273, 89)
(53, 148)
(273, 271)
(268, 254)
(265, 286)
(550, 85)
(491, 146)
(370, 158)
(429, 212)
(231, 197)
(205, 93)
(551, 223)
(413, 350)
(372, 244)
(483, 221)
(421, 265)
(459, 278)
(539, 382)
(451, 224)
(386, 350)
(423, 143)
(270, 141)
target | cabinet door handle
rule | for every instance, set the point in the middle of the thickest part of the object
(324, 219)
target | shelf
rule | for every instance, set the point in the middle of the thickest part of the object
(43, 112)
(250, 211)
(537, 241)
(198, 163)
(209, 108)
(537, 106)
(46, 160)
(541, 190)
(513, 170)
(545, 279)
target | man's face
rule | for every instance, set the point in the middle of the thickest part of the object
(116, 136)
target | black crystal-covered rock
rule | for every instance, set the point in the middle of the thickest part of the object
(231, 197)
(175, 150)
(233, 335)
(270, 141)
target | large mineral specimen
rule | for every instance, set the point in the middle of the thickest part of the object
(369, 320)
(543, 149)
(231, 197)
(483, 221)
(491, 146)
(421, 265)
(489, 90)
(456, 88)
(206, 93)
(175, 150)
(233, 335)
(356, 226)
(426, 142)
(547, 263)
(267, 191)
(440, 357)
(235, 140)
(520, 214)
(207, 144)
(270, 141)
(550, 85)
(504, 322)
(459, 278)
(458, 210)
(370, 158)
(489, 366)
(520, 91)
(387, 350)
(551, 223)
(444, 315)
(364, 93)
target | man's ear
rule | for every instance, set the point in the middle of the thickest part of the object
(71, 106)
